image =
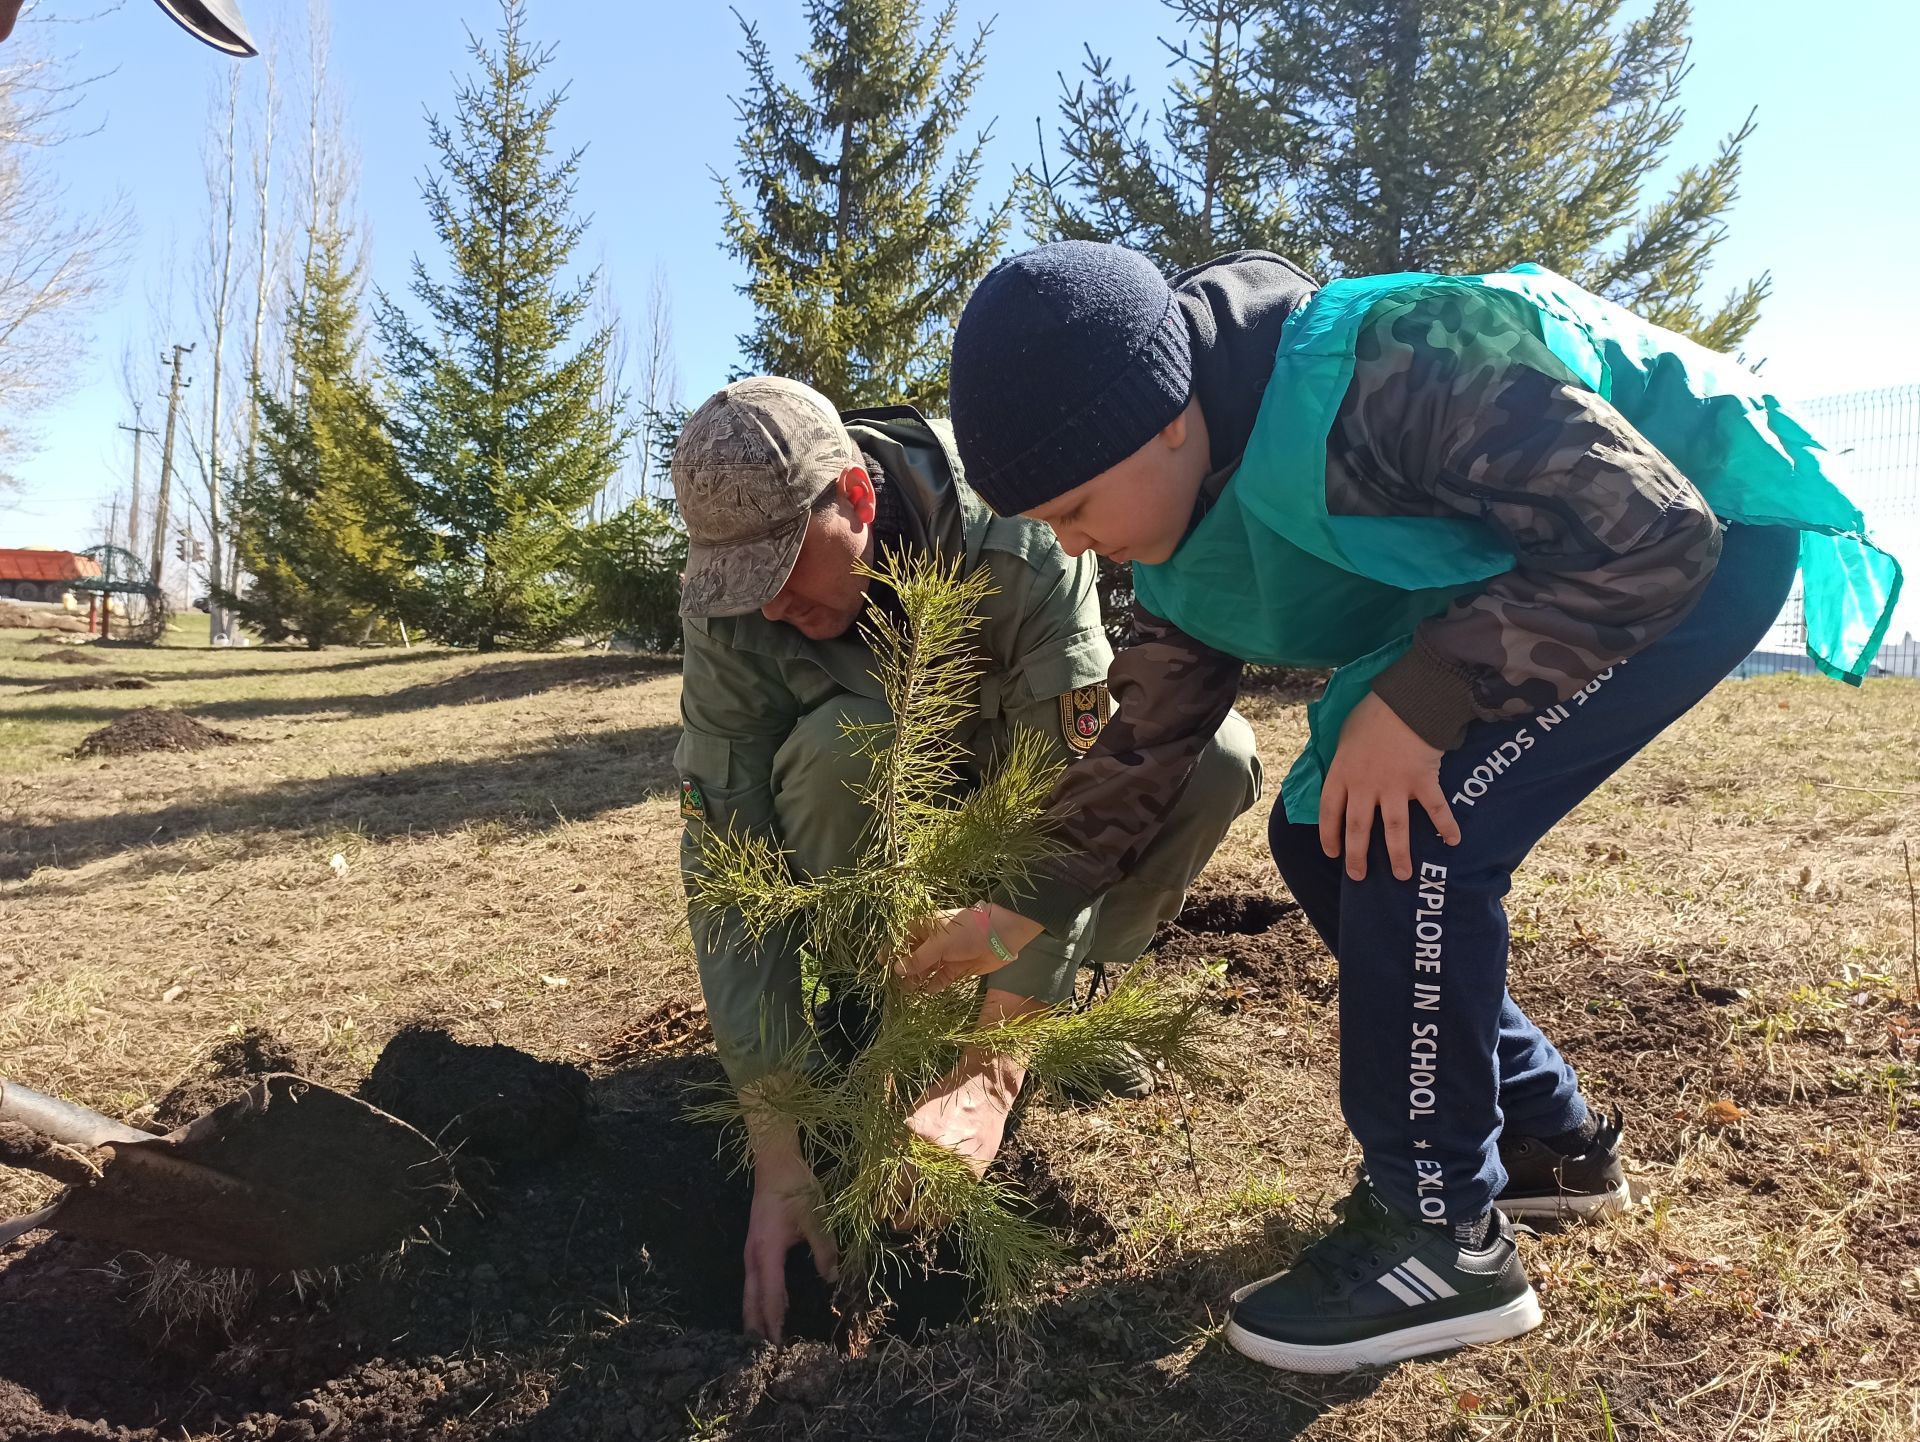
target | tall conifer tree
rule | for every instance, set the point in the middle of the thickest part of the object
(499, 416)
(1207, 174)
(1421, 135)
(1474, 134)
(321, 515)
(855, 223)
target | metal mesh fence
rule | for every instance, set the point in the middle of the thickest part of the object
(1877, 435)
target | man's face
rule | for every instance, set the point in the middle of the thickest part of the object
(823, 596)
(1138, 509)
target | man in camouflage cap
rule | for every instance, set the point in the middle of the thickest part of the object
(783, 499)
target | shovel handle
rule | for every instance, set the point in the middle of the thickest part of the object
(20, 1226)
(63, 1121)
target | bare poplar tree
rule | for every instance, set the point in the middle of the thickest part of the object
(613, 387)
(659, 384)
(223, 204)
(54, 263)
(140, 383)
(265, 266)
(331, 162)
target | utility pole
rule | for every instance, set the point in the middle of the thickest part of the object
(113, 524)
(133, 511)
(166, 465)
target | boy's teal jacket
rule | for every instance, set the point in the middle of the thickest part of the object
(1270, 576)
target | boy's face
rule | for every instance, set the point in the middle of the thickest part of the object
(1138, 509)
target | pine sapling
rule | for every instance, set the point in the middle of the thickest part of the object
(931, 844)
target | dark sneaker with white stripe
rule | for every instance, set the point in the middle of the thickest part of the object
(1547, 1184)
(1379, 1288)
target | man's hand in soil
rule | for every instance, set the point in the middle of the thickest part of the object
(785, 1199)
(953, 945)
(966, 1110)
(1381, 766)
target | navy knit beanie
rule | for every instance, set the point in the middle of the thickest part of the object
(1066, 360)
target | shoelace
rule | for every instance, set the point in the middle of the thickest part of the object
(1606, 1136)
(1358, 1243)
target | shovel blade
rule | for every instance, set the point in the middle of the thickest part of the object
(293, 1175)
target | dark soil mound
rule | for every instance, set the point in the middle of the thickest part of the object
(1232, 913)
(337, 1181)
(1267, 945)
(93, 683)
(610, 1268)
(489, 1102)
(69, 656)
(231, 1068)
(699, 1198)
(152, 728)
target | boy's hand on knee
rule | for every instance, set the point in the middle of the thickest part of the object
(1381, 766)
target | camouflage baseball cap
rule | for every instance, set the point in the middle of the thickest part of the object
(749, 465)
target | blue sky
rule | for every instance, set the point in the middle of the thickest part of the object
(1828, 187)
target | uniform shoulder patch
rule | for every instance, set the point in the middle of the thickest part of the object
(1083, 716)
(693, 806)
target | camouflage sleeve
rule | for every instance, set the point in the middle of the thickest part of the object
(1170, 693)
(1457, 407)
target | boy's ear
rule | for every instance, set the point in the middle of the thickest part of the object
(857, 486)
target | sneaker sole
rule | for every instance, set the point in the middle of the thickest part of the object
(1511, 1319)
(1585, 1208)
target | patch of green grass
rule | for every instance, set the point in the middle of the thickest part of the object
(54, 1007)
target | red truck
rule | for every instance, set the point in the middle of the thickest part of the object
(28, 574)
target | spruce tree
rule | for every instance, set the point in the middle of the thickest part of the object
(1472, 136)
(498, 414)
(1207, 174)
(1416, 135)
(630, 565)
(927, 848)
(855, 225)
(320, 515)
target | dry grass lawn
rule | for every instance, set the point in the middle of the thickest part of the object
(1722, 941)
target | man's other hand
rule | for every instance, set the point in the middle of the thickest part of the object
(785, 1213)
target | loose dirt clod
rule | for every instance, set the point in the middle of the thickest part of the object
(491, 1102)
(231, 1068)
(20, 1147)
(93, 683)
(290, 1177)
(152, 728)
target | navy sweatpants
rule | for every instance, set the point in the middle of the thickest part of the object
(1435, 1059)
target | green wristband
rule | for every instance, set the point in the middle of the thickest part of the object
(993, 937)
